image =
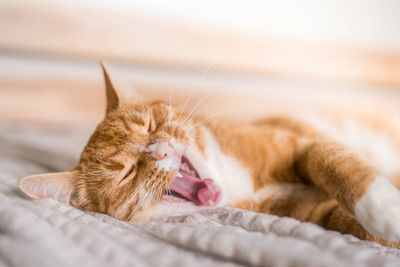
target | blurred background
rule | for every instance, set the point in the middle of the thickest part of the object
(256, 57)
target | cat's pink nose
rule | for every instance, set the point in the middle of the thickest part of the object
(164, 150)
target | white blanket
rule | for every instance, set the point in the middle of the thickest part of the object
(48, 233)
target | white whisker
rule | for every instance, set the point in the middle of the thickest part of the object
(205, 105)
(202, 121)
(201, 78)
(195, 107)
(149, 198)
(212, 62)
(210, 118)
(145, 199)
(186, 102)
(169, 192)
(139, 204)
(131, 198)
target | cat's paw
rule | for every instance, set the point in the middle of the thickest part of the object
(378, 210)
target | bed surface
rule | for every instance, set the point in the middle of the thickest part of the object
(48, 233)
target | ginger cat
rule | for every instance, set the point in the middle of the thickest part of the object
(146, 159)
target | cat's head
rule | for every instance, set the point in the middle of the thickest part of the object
(139, 158)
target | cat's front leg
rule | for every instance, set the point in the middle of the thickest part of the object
(356, 185)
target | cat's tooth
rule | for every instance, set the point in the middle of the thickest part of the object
(179, 175)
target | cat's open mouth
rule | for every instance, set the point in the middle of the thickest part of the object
(189, 186)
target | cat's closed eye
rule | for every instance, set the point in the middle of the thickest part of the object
(130, 171)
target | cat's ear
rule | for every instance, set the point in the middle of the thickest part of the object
(112, 97)
(58, 185)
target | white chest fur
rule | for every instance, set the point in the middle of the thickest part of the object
(228, 173)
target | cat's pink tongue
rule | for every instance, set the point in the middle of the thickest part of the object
(199, 191)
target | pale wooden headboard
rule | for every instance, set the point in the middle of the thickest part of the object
(49, 50)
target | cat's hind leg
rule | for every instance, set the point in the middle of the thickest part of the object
(337, 219)
(308, 204)
(355, 184)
